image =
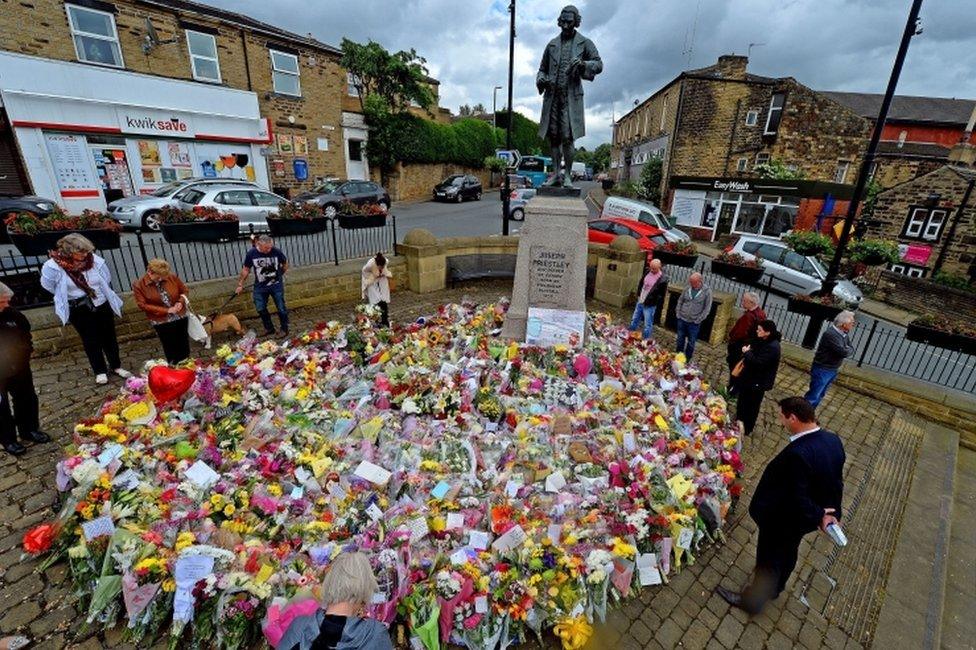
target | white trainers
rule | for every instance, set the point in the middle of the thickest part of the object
(101, 379)
(123, 373)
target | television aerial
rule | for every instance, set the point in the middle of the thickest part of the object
(151, 39)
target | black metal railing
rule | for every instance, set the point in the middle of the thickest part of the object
(196, 261)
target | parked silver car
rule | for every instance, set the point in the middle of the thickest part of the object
(251, 205)
(792, 272)
(141, 211)
(517, 200)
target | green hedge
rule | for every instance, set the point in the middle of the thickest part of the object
(465, 142)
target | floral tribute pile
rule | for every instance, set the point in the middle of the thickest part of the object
(501, 490)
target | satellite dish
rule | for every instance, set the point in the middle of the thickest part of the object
(151, 39)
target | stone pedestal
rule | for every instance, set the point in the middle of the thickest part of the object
(551, 269)
(619, 270)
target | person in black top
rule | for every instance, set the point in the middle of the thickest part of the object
(270, 266)
(800, 491)
(761, 361)
(16, 381)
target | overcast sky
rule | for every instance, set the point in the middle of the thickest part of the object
(825, 44)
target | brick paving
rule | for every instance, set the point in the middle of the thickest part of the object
(684, 613)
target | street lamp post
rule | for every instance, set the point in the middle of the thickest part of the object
(506, 199)
(911, 29)
(494, 105)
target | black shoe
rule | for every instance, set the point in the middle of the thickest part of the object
(36, 436)
(14, 448)
(731, 597)
(283, 334)
(269, 333)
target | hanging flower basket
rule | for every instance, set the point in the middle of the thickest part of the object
(810, 306)
(351, 216)
(809, 243)
(34, 234)
(297, 218)
(874, 252)
(679, 253)
(942, 334)
(736, 267)
(198, 225)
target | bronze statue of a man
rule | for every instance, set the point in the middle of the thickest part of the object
(569, 58)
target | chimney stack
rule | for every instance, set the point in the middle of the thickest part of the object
(964, 152)
(732, 66)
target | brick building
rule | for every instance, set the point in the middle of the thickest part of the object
(712, 127)
(108, 99)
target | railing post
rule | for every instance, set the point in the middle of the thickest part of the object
(769, 287)
(142, 247)
(393, 247)
(335, 245)
(867, 344)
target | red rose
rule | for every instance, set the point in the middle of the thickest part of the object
(39, 539)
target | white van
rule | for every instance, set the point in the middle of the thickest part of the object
(578, 172)
(644, 212)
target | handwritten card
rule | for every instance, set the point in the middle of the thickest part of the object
(630, 441)
(302, 475)
(373, 473)
(374, 512)
(648, 572)
(100, 527)
(513, 538)
(297, 492)
(440, 490)
(202, 475)
(191, 569)
(127, 480)
(555, 482)
(684, 538)
(478, 539)
(418, 528)
(109, 454)
(460, 556)
(455, 520)
(512, 488)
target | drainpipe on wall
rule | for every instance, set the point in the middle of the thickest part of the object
(247, 61)
(735, 124)
(952, 228)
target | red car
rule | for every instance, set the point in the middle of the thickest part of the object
(603, 231)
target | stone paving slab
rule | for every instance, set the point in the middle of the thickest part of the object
(685, 613)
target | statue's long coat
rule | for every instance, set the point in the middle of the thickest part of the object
(549, 68)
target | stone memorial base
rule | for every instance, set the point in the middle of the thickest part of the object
(549, 190)
(550, 272)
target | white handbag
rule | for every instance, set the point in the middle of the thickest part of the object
(194, 325)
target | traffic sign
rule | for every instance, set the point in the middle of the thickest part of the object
(510, 156)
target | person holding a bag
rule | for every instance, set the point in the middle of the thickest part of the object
(376, 286)
(83, 296)
(161, 295)
(756, 373)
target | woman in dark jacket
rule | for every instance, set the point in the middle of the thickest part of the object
(761, 361)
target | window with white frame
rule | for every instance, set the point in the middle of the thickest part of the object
(776, 104)
(840, 174)
(762, 158)
(203, 56)
(742, 165)
(284, 73)
(95, 36)
(925, 223)
(752, 118)
(351, 85)
(909, 270)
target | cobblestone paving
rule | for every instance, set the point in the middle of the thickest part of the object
(685, 613)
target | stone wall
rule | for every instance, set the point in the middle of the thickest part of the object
(924, 297)
(411, 182)
(304, 286)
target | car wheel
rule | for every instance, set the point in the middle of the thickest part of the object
(150, 221)
(518, 214)
(330, 210)
(459, 198)
(477, 196)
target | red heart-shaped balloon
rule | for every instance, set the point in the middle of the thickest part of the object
(168, 384)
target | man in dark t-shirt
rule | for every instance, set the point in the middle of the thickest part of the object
(269, 265)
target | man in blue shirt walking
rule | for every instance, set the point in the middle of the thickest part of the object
(269, 265)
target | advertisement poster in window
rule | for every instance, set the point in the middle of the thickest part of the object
(167, 174)
(183, 174)
(301, 145)
(179, 154)
(113, 173)
(72, 164)
(151, 175)
(278, 167)
(225, 161)
(149, 153)
(285, 143)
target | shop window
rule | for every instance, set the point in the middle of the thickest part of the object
(775, 113)
(762, 158)
(908, 269)
(924, 223)
(752, 118)
(742, 165)
(95, 36)
(203, 56)
(284, 73)
(352, 88)
(840, 174)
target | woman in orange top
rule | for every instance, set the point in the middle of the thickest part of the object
(159, 293)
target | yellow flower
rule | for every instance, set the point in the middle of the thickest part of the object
(622, 548)
(229, 510)
(274, 490)
(169, 585)
(184, 540)
(88, 512)
(216, 501)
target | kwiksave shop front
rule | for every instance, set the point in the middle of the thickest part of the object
(90, 135)
(709, 207)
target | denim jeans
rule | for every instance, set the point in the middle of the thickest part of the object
(648, 315)
(687, 335)
(277, 293)
(820, 379)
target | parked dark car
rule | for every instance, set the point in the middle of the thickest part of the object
(515, 182)
(458, 187)
(331, 193)
(34, 204)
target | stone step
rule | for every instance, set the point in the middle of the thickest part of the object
(959, 610)
(911, 615)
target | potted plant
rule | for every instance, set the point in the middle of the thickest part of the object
(369, 215)
(943, 333)
(201, 224)
(35, 234)
(874, 252)
(824, 307)
(809, 243)
(677, 253)
(297, 218)
(736, 267)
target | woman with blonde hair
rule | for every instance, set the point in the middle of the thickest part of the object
(83, 296)
(160, 294)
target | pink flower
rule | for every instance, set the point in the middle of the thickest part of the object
(472, 621)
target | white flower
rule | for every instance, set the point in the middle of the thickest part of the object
(409, 406)
(87, 472)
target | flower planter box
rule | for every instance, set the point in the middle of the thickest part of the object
(280, 227)
(940, 339)
(813, 309)
(675, 259)
(737, 272)
(42, 242)
(352, 221)
(200, 231)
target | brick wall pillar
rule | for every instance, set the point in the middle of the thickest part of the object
(426, 261)
(618, 272)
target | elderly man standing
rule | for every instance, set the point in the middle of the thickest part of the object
(16, 381)
(694, 305)
(744, 329)
(835, 346)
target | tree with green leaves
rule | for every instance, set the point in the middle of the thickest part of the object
(778, 170)
(649, 185)
(601, 158)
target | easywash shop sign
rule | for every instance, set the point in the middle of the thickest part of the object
(155, 123)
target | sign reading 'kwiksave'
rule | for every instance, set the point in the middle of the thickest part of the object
(155, 123)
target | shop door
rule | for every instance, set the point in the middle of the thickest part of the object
(726, 217)
(12, 182)
(355, 155)
(112, 167)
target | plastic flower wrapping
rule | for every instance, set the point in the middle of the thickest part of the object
(502, 491)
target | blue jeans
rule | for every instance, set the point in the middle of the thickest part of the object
(820, 379)
(687, 335)
(277, 293)
(648, 315)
